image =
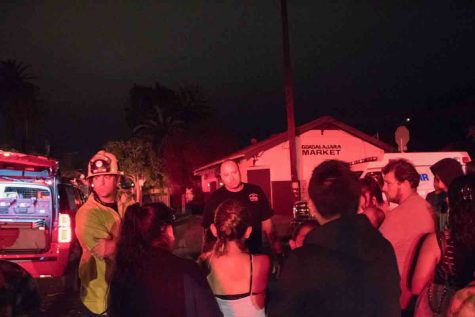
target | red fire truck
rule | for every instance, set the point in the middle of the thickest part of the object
(37, 216)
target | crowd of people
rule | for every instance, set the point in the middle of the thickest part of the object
(357, 257)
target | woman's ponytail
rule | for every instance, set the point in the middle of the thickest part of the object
(231, 220)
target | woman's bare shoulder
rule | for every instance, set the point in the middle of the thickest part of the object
(261, 260)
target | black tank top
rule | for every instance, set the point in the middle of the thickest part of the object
(457, 264)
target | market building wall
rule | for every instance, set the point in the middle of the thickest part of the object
(267, 163)
(270, 168)
(316, 146)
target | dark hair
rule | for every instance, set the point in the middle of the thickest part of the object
(306, 224)
(462, 210)
(371, 186)
(231, 220)
(143, 229)
(403, 171)
(447, 170)
(334, 189)
(470, 167)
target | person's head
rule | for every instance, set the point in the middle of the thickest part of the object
(463, 302)
(300, 232)
(231, 224)
(149, 226)
(375, 216)
(445, 171)
(103, 175)
(334, 191)
(462, 210)
(19, 293)
(371, 194)
(144, 229)
(230, 175)
(400, 180)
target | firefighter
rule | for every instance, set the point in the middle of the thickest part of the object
(97, 229)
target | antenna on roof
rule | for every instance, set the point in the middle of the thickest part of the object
(402, 137)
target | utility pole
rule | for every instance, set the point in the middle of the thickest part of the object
(289, 101)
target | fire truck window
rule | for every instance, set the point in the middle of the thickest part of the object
(23, 192)
(71, 198)
(63, 200)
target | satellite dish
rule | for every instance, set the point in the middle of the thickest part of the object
(402, 137)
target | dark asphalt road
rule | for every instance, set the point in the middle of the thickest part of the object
(57, 303)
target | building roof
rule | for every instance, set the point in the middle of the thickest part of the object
(322, 123)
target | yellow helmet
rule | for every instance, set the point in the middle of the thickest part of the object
(103, 163)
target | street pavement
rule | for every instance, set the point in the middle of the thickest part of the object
(56, 302)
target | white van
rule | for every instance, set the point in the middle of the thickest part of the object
(421, 160)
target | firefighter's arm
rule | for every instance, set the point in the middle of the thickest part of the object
(92, 234)
(105, 248)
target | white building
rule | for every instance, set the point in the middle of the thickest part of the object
(267, 163)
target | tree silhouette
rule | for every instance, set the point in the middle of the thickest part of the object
(181, 128)
(155, 113)
(18, 101)
(187, 150)
(139, 162)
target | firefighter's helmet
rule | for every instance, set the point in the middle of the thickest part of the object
(103, 163)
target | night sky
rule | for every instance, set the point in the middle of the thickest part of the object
(368, 63)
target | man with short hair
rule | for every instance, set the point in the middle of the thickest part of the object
(405, 225)
(252, 197)
(345, 267)
(97, 229)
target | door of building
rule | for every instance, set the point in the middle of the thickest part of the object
(261, 178)
(283, 198)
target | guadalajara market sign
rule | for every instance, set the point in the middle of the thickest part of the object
(321, 149)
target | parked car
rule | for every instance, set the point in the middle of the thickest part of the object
(37, 212)
(301, 212)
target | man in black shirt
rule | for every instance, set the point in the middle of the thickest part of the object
(252, 197)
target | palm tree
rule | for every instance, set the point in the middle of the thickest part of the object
(18, 99)
(158, 126)
(155, 113)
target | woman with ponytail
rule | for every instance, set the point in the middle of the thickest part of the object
(238, 279)
(147, 279)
